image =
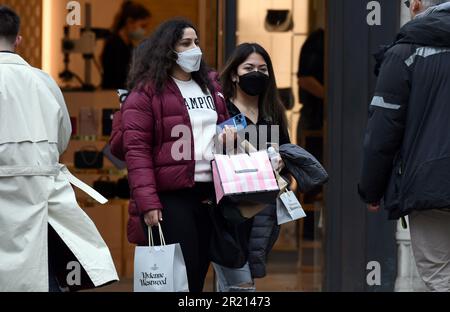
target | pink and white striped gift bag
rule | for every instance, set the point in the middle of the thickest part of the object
(243, 174)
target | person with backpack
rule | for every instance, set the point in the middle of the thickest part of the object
(166, 133)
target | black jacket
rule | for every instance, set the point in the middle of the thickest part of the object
(407, 142)
(264, 230)
(304, 167)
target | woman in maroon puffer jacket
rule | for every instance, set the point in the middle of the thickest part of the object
(167, 133)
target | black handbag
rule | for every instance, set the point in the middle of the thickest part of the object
(88, 159)
(107, 120)
(106, 187)
(74, 124)
(279, 21)
(123, 188)
(229, 245)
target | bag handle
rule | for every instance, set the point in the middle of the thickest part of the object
(282, 183)
(90, 148)
(161, 236)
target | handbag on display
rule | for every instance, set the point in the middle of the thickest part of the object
(279, 21)
(88, 158)
(107, 120)
(74, 124)
(106, 187)
(88, 121)
(123, 188)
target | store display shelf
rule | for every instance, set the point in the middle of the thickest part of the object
(104, 171)
(90, 138)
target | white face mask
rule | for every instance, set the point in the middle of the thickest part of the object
(190, 60)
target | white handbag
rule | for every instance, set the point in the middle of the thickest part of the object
(289, 208)
(159, 268)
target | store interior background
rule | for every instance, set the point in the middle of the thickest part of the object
(295, 263)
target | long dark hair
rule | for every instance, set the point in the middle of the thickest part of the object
(270, 105)
(154, 59)
(129, 10)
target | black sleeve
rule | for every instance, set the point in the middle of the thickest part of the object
(385, 129)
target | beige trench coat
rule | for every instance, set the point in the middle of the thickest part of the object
(36, 191)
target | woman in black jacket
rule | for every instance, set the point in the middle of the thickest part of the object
(249, 87)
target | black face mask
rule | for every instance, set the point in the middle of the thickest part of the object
(253, 83)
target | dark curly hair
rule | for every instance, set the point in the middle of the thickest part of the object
(154, 59)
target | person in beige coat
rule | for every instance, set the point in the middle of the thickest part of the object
(38, 208)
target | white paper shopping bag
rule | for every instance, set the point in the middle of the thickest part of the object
(289, 208)
(159, 268)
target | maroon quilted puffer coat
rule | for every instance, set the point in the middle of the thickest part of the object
(142, 136)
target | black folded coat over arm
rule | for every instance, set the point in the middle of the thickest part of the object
(304, 167)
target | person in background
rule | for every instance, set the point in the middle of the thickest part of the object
(407, 144)
(174, 99)
(249, 87)
(312, 93)
(129, 28)
(311, 81)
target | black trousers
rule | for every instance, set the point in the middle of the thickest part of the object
(187, 221)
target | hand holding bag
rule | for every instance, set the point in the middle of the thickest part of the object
(159, 268)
